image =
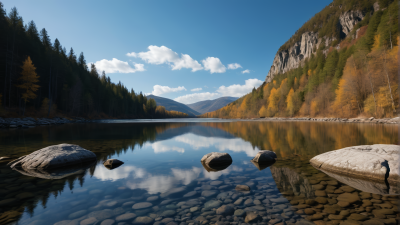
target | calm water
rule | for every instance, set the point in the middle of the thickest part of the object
(163, 181)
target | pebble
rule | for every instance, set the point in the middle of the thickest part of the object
(108, 222)
(126, 216)
(242, 188)
(142, 205)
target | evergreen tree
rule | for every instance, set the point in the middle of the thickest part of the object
(29, 79)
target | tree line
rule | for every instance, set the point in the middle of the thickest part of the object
(359, 78)
(42, 78)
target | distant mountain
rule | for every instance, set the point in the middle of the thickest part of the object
(170, 104)
(211, 105)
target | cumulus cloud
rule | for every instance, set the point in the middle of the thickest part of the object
(238, 90)
(160, 90)
(118, 66)
(163, 55)
(196, 97)
(235, 90)
(234, 66)
(245, 71)
(213, 65)
(159, 147)
(197, 89)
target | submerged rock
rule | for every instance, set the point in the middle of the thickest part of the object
(262, 166)
(53, 157)
(264, 157)
(112, 163)
(378, 163)
(216, 161)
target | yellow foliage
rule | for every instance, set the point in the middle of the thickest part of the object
(274, 82)
(273, 101)
(29, 79)
(314, 108)
(290, 103)
(376, 42)
(263, 112)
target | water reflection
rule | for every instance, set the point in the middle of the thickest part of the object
(164, 158)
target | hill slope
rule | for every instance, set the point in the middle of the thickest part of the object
(341, 63)
(170, 104)
(211, 105)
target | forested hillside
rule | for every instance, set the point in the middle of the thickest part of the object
(57, 81)
(353, 74)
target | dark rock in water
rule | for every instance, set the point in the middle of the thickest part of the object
(261, 166)
(55, 162)
(112, 163)
(251, 217)
(265, 157)
(216, 161)
(55, 156)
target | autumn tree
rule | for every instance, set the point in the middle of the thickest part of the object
(29, 79)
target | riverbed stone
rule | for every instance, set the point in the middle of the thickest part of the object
(252, 217)
(242, 188)
(125, 217)
(239, 212)
(168, 213)
(357, 217)
(88, 221)
(142, 205)
(77, 214)
(225, 210)
(152, 198)
(107, 222)
(208, 193)
(190, 194)
(212, 204)
(350, 198)
(143, 220)
(174, 192)
(265, 156)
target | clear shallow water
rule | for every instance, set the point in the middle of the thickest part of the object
(162, 168)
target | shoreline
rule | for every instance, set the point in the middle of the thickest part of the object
(29, 122)
(395, 120)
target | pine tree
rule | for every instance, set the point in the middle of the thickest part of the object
(44, 37)
(29, 79)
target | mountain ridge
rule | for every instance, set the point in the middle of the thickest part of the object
(170, 105)
(211, 105)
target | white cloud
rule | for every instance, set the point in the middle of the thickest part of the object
(196, 97)
(214, 65)
(238, 90)
(117, 66)
(163, 55)
(197, 89)
(160, 147)
(234, 66)
(245, 71)
(159, 90)
(235, 90)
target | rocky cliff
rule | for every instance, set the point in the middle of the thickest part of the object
(292, 57)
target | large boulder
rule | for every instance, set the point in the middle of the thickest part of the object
(265, 157)
(112, 163)
(216, 161)
(377, 163)
(54, 157)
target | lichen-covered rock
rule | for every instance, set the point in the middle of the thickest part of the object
(265, 156)
(112, 163)
(379, 163)
(216, 161)
(54, 157)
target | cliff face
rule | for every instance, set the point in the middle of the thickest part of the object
(296, 54)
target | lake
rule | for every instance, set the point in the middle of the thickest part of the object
(163, 182)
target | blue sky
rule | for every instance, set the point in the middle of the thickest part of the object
(183, 50)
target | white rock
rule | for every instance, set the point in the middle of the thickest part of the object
(370, 162)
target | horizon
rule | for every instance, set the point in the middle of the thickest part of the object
(159, 55)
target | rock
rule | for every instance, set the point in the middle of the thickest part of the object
(347, 197)
(190, 194)
(112, 163)
(194, 209)
(349, 19)
(152, 198)
(168, 213)
(54, 157)
(212, 204)
(142, 205)
(251, 217)
(208, 193)
(125, 217)
(88, 221)
(239, 212)
(143, 220)
(174, 192)
(377, 163)
(225, 210)
(242, 188)
(320, 193)
(309, 211)
(357, 217)
(108, 222)
(77, 214)
(216, 183)
(216, 161)
(343, 204)
(264, 156)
